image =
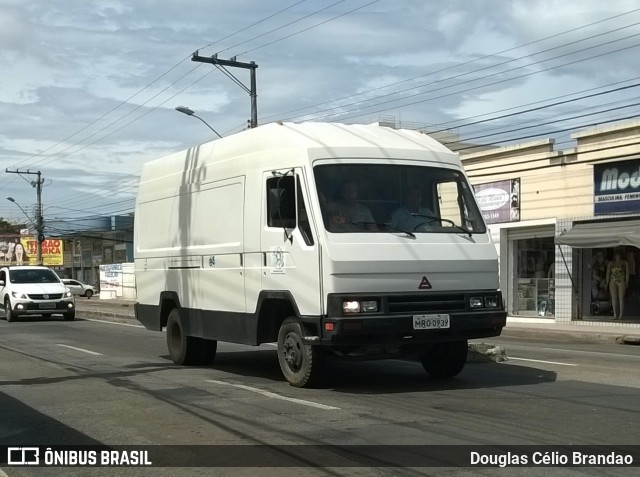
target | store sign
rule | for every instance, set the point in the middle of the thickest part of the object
(52, 251)
(616, 187)
(499, 201)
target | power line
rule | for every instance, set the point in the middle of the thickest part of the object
(469, 89)
(126, 101)
(468, 81)
(298, 2)
(279, 115)
(281, 27)
(311, 27)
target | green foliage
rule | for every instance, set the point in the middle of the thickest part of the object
(9, 228)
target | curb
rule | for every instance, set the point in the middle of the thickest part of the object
(108, 316)
(575, 336)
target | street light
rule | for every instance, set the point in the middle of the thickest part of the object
(189, 112)
(39, 229)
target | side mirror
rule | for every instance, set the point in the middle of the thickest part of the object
(1, 283)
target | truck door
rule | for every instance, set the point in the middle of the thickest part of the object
(289, 240)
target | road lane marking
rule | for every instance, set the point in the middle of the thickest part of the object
(80, 349)
(276, 396)
(541, 361)
(2, 474)
(601, 353)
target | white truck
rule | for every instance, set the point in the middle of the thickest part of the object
(310, 235)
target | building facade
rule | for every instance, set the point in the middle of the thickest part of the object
(566, 224)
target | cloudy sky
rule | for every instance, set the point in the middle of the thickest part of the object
(88, 88)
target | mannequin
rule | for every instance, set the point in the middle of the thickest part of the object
(617, 281)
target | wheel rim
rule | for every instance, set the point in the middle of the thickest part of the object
(292, 351)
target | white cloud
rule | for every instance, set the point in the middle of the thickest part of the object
(65, 65)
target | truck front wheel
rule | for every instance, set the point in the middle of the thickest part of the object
(445, 360)
(187, 350)
(299, 361)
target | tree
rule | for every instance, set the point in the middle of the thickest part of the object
(9, 228)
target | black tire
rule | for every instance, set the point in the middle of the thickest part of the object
(301, 363)
(445, 360)
(88, 293)
(8, 312)
(187, 350)
(70, 316)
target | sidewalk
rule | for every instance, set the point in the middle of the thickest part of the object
(121, 311)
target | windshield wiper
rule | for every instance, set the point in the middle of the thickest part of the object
(453, 224)
(385, 226)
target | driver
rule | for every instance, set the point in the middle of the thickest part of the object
(403, 218)
(347, 214)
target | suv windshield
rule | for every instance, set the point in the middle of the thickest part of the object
(33, 276)
(364, 198)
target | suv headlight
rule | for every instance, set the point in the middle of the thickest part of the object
(21, 296)
(68, 294)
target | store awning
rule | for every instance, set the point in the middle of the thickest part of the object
(602, 234)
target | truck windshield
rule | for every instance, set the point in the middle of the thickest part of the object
(390, 198)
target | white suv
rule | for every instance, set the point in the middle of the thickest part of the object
(32, 290)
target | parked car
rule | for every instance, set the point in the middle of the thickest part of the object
(34, 290)
(79, 288)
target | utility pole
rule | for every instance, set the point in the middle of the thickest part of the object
(236, 64)
(39, 219)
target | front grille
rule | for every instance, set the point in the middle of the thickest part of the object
(412, 304)
(49, 296)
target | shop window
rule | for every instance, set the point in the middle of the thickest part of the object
(535, 277)
(613, 283)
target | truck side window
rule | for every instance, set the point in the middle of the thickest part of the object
(303, 217)
(281, 202)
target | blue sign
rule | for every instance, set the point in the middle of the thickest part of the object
(616, 187)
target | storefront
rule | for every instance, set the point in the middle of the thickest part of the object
(532, 264)
(566, 224)
(606, 272)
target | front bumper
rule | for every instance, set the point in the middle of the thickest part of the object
(41, 307)
(398, 330)
(393, 325)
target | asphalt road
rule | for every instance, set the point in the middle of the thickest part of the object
(94, 383)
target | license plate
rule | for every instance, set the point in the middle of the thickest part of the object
(47, 306)
(431, 322)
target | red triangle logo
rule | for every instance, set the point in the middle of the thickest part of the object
(424, 284)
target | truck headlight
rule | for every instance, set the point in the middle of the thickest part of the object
(491, 301)
(351, 306)
(475, 302)
(356, 306)
(369, 306)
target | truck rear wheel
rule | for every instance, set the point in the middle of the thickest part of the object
(445, 360)
(187, 350)
(301, 363)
